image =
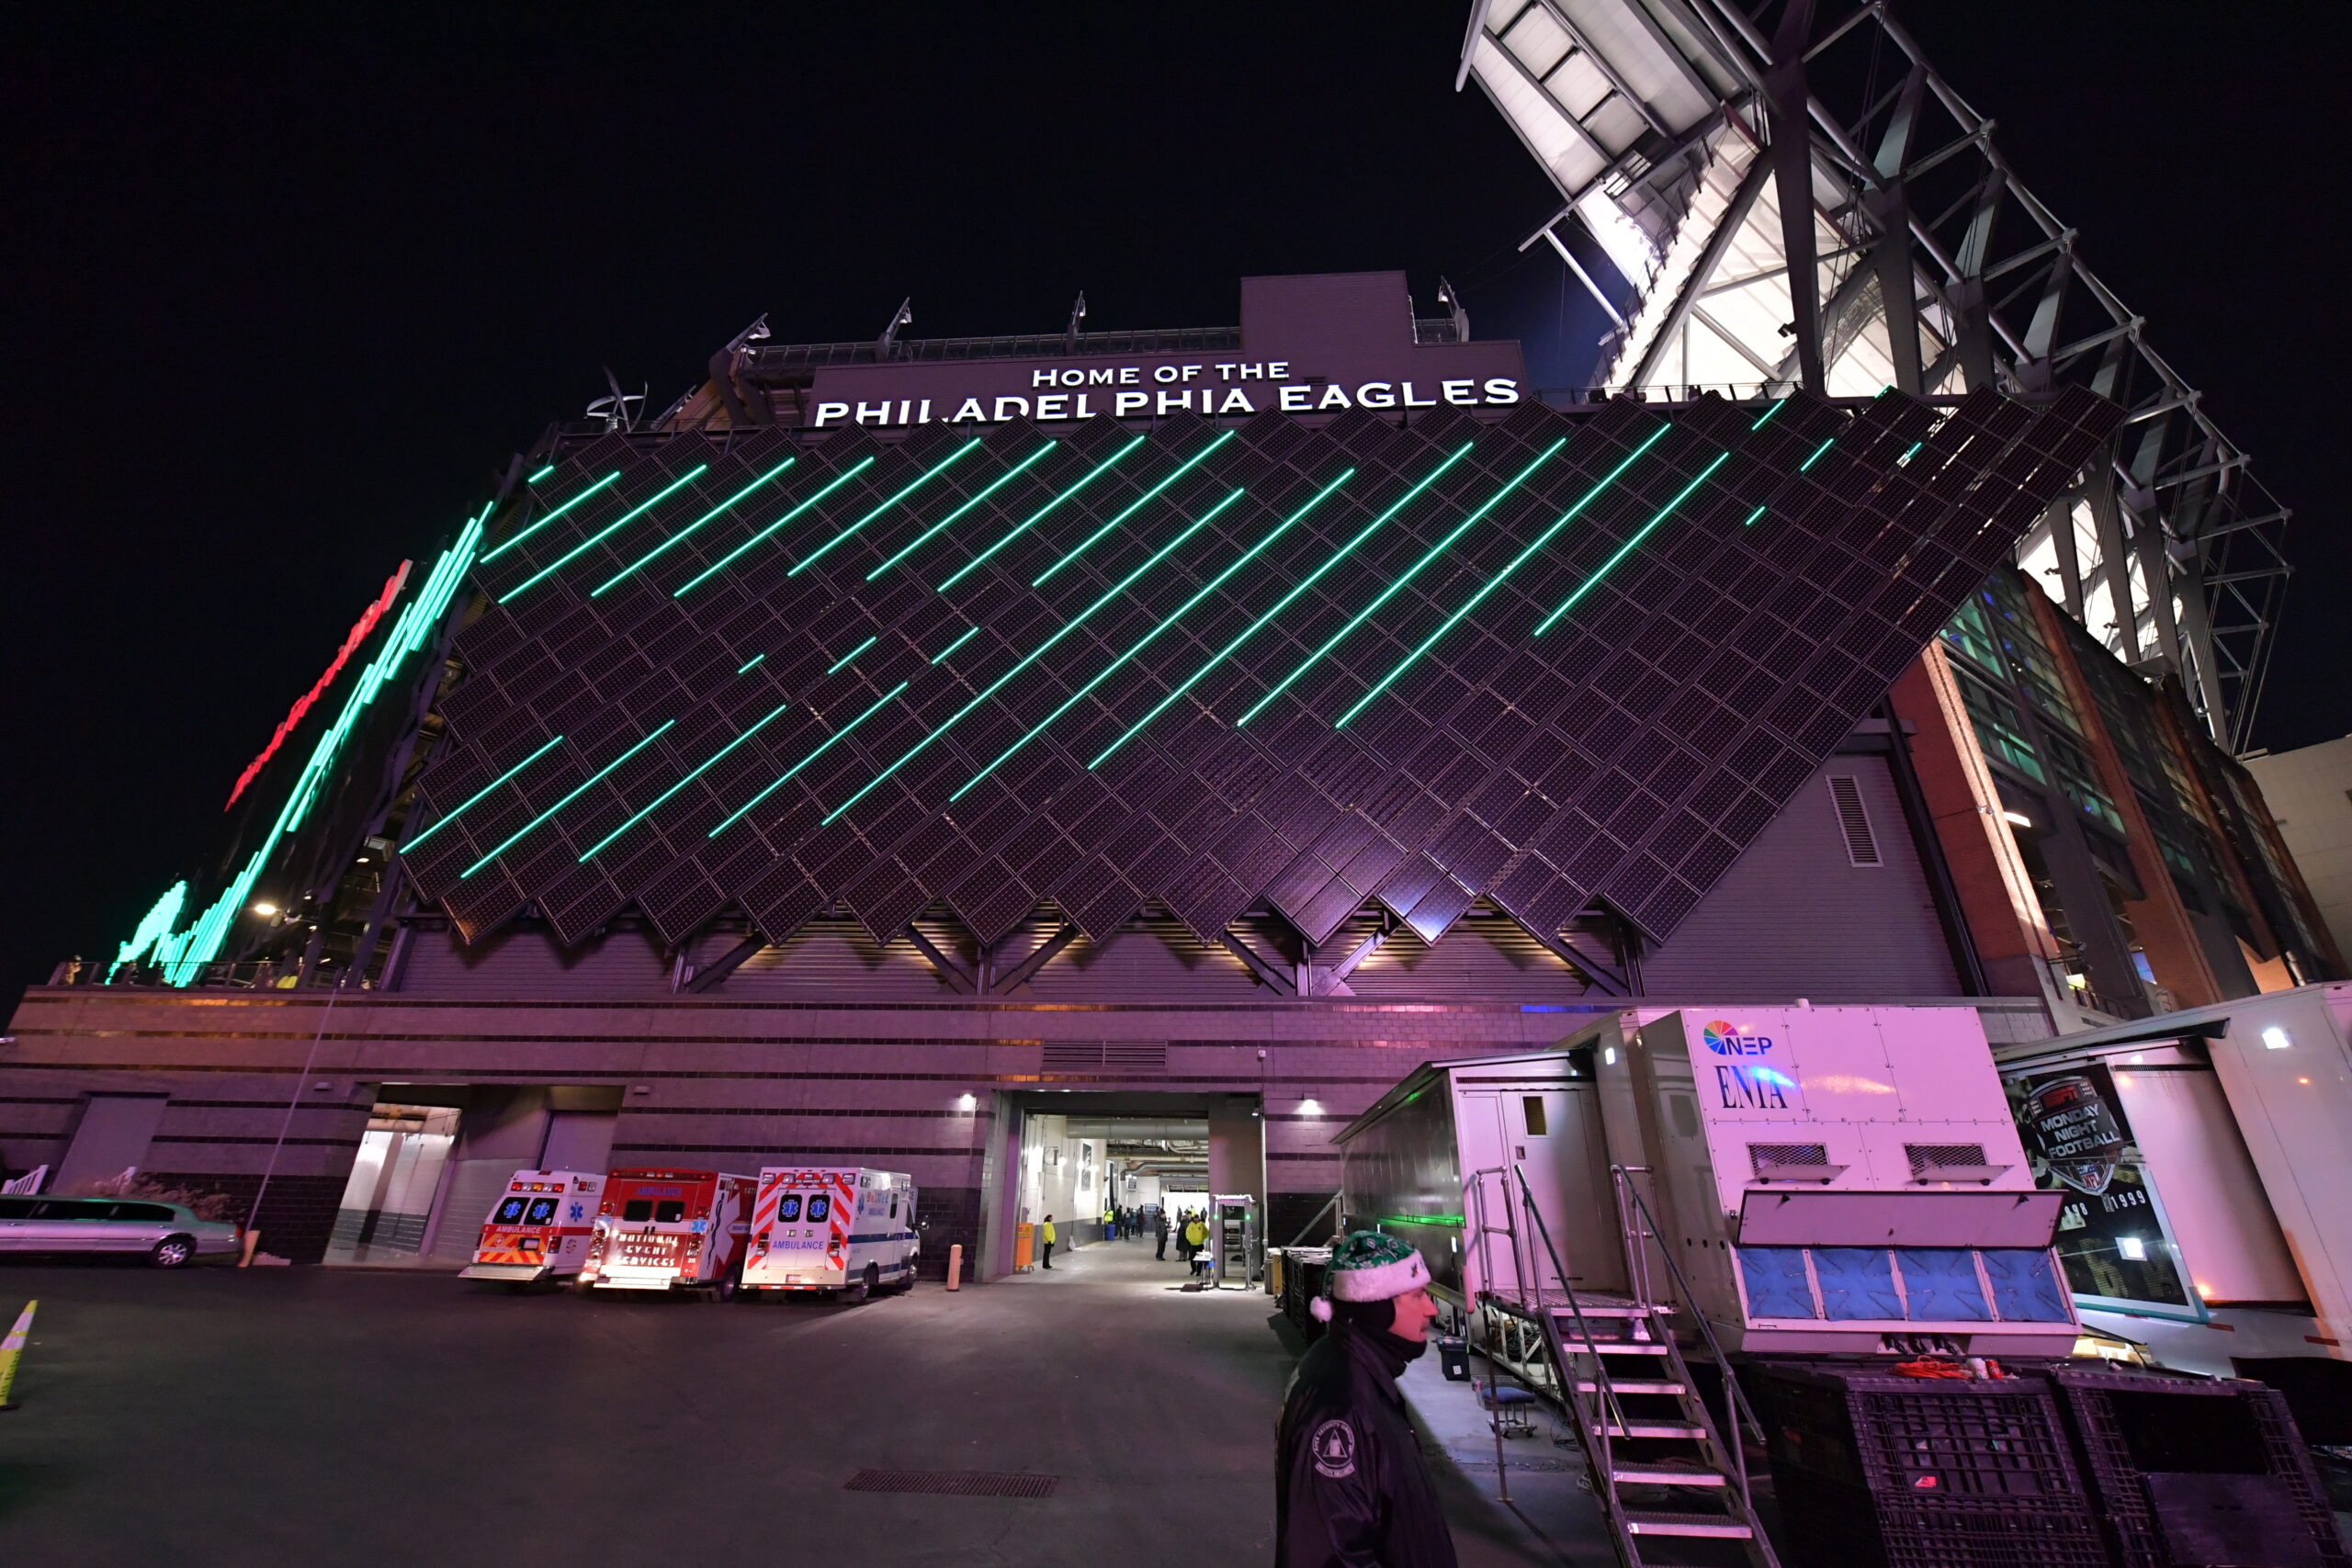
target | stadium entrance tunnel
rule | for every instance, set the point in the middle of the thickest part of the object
(1073, 1155)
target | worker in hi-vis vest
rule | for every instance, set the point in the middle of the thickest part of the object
(1048, 1233)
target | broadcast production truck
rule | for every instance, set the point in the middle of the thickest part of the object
(832, 1228)
(539, 1229)
(669, 1230)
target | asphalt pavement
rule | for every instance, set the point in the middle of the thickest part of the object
(315, 1416)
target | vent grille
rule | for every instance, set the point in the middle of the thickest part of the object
(1926, 1157)
(951, 1482)
(1766, 1157)
(1100, 1055)
(1854, 821)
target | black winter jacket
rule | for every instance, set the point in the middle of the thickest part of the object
(1352, 1491)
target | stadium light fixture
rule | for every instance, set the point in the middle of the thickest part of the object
(1499, 579)
(1396, 585)
(660, 800)
(933, 532)
(611, 478)
(789, 774)
(920, 480)
(581, 788)
(1178, 472)
(608, 531)
(1104, 466)
(1333, 560)
(723, 562)
(1627, 549)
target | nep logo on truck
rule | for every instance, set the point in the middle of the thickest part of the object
(1725, 1041)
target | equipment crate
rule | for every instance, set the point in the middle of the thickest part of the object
(2196, 1469)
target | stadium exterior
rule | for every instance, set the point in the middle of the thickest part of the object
(896, 743)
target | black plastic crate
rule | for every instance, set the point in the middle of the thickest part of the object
(2187, 1469)
(1829, 1524)
(1950, 1443)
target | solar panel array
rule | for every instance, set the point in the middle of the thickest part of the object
(1553, 661)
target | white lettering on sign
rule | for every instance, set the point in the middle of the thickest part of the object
(1224, 395)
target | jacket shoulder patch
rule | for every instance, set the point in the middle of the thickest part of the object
(1334, 1448)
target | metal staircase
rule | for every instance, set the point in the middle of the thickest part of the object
(1658, 1465)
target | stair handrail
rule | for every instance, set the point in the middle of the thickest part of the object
(1603, 1460)
(1622, 1176)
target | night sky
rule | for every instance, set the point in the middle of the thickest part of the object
(279, 300)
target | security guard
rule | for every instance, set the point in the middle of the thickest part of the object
(1352, 1491)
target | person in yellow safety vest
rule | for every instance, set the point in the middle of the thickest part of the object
(1109, 1224)
(1197, 1237)
(1047, 1231)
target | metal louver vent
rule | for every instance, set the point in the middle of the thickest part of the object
(1929, 1156)
(1097, 1056)
(1764, 1156)
(1854, 821)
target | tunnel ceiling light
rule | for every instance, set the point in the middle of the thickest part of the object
(1396, 584)
(1034, 654)
(723, 562)
(1627, 549)
(660, 800)
(789, 774)
(1186, 467)
(611, 478)
(933, 532)
(1304, 583)
(1498, 579)
(608, 530)
(578, 790)
(473, 799)
(821, 551)
(1037, 516)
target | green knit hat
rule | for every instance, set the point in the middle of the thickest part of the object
(1369, 1267)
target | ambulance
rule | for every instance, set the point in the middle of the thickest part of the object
(832, 1228)
(538, 1228)
(669, 1230)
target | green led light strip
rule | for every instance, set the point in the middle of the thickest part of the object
(583, 788)
(1396, 585)
(474, 798)
(920, 480)
(540, 475)
(1627, 547)
(1037, 516)
(723, 562)
(1180, 470)
(787, 775)
(746, 669)
(1752, 516)
(852, 653)
(182, 956)
(681, 536)
(1816, 454)
(658, 800)
(969, 633)
(1165, 623)
(1450, 1221)
(933, 532)
(1500, 578)
(1222, 654)
(606, 532)
(1761, 423)
(612, 478)
(1912, 452)
(1039, 652)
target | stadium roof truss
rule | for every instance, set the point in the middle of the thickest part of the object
(1703, 144)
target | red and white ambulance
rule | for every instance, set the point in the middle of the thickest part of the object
(669, 1230)
(538, 1228)
(832, 1228)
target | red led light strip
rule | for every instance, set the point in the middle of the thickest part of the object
(365, 623)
